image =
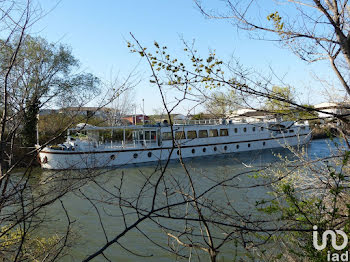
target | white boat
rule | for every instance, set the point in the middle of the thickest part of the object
(95, 147)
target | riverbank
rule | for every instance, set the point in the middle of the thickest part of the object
(323, 132)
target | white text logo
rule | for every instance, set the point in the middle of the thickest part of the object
(333, 234)
(333, 239)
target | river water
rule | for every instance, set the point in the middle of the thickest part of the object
(88, 232)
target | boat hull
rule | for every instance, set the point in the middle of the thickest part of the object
(55, 159)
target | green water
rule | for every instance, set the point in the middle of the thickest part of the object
(87, 230)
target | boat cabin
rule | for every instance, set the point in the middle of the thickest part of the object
(120, 136)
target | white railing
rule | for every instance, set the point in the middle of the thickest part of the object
(128, 144)
(200, 122)
(222, 121)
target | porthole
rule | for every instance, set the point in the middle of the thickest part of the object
(178, 152)
(204, 149)
(248, 145)
(253, 129)
(264, 143)
(245, 129)
(237, 146)
(215, 148)
(193, 151)
(112, 157)
(149, 154)
(261, 128)
(225, 148)
(136, 155)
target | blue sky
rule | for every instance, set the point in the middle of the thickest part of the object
(97, 31)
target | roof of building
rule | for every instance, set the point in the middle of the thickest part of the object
(326, 105)
(87, 108)
(127, 116)
(250, 112)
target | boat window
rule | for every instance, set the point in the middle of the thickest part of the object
(264, 143)
(149, 154)
(291, 131)
(237, 146)
(180, 135)
(191, 134)
(147, 135)
(204, 149)
(213, 132)
(245, 129)
(215, 148)
(262, 128)
(159, 141)
(236, 130)
(193, 151)
(153, 135)
(223, 132)
(166, 136)
(248, 145)
(202, 133)
(225, 148)
(253, 129)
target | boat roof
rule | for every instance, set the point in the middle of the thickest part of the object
(197, 123)
(98, 128)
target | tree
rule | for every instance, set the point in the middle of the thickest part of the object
(120, 106)
(182, 206)
(15, 19)
(221, 104)
(313, 30)
(43, 75)
(304, 192)
(33, 73)
(30, 122)
(278, 105)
